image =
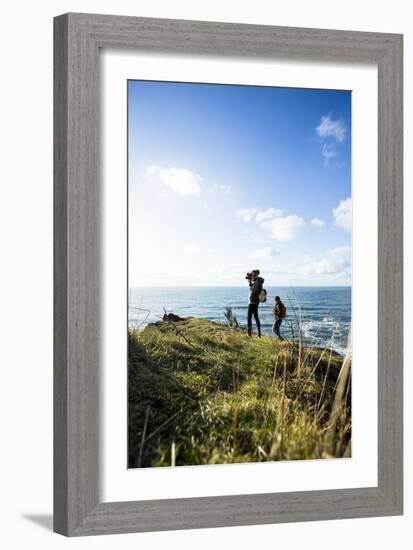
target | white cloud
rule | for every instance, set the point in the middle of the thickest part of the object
(268, 214)
(331, 128)
(181, 181)
(325, 266)
(332, 131)
(224, 189)
(246, 214)
(263, 253)
(343, 214)
(337, 262)
(329, 152)
(259, 238)
(280, 228)
(317, 222)
(192, 248)
(284, 229)
(341, 252)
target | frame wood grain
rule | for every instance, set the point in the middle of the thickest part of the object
(78, 39)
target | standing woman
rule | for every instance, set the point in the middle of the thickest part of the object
(255, 284)
(280, 312)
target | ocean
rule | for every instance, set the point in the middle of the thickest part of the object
(324, 312)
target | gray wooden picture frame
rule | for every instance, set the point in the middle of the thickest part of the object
(78, 39)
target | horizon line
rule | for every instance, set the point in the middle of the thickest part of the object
(238, 286)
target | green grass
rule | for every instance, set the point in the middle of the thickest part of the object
(203, 393)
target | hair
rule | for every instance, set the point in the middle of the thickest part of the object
(257, 271)
(277, 299)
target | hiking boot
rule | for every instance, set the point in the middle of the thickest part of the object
(249, 332)
(259, 332)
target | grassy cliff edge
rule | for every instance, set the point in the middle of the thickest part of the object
(201, 392)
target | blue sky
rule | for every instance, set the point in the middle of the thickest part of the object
(223, 179)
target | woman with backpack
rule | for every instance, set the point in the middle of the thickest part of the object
(255, 298)
(280, 312)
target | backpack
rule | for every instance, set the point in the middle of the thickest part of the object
(283, 311)
(262, 296)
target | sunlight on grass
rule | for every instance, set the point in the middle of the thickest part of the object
(203, 393)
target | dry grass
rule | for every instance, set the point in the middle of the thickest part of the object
(204, 393)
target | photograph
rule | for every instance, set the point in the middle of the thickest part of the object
(239, 273)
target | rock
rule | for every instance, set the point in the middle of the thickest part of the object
(172, 317)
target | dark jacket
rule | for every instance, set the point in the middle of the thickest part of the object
(255, 289)
(279, 310)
